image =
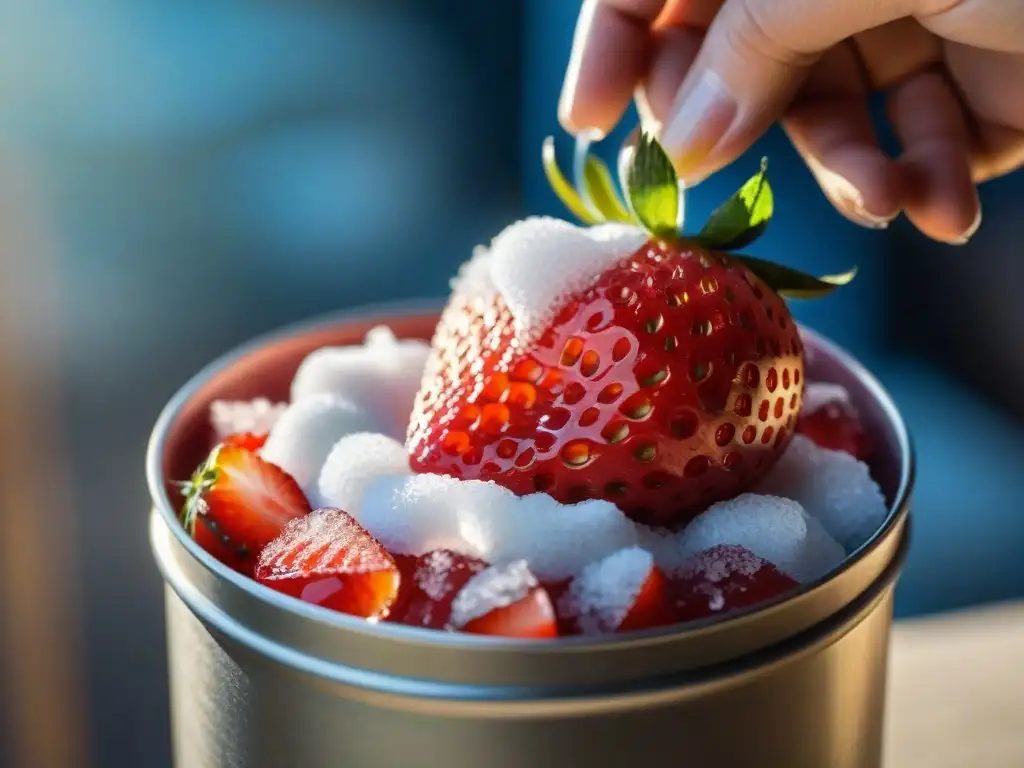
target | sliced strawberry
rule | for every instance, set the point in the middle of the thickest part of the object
(207, 536)
(557, 591)
(328, 559)
(248, 440)
(836, 426)
(652, 606)
(725, 578)
(619, 593)
(430, 583)
(506, 601)
(236, 504)
(530, 616)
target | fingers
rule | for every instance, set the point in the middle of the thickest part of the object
(990, 25)
(992, 85)
(673, 53)
(939, 193)
(610, 53)
(754, 58)
(998, 151)
(894, 51)
(830, 126)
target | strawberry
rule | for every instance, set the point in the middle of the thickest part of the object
(725, 578)
(836, 426)
(236, 504)
(558, 592)
(671, 381)
(248, 440)
(622, 592)
(429, 585)
(652, 606)
(328, 559)
(506, 601)
(530, 616)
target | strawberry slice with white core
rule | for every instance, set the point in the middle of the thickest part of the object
(506, 601)
(430, 583)
(622, 592)
(236, 504)
(725, 578)
(328, 559)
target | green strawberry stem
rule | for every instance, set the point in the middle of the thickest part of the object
(203, 478)
(652, 189)
(566, 192)
(654, 201)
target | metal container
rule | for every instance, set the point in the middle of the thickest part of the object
(259, 680)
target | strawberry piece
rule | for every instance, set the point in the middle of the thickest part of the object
(430, 583)
(670, 383)
(328, 559)
(207, 535)
(248, 440)
(236, 504)
(725, 578)
(557, 592)
(652, 606)
(836, 426)
(622, 592)
(506, 601)
(530, 616)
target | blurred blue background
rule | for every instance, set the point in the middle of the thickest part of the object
(195, 172)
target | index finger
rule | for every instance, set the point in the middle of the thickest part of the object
(610, 52)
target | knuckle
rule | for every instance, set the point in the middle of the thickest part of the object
(759, 27)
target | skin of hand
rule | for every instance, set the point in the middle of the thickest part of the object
(710, 76)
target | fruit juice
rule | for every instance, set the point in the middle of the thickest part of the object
(612, 430)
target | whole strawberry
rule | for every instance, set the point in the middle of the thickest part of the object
(670, 380)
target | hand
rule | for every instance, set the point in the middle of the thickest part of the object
(710, 76)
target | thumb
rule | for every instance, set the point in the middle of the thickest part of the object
(752, 61)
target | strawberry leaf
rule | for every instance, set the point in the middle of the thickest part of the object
(743, 217)
(652, 188)
(599, 190)
(561, 186)
(793, 283)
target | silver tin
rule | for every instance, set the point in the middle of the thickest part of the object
(259, 680)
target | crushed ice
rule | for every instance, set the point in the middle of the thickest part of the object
(353, 464)
(230, 417)
(302, 438)
(832, 486)
(538, 261)
(381, 376)
(496, 587)
(775, 529)
(599, 599)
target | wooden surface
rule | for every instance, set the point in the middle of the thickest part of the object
(956, 691)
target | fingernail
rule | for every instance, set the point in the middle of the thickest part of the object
(848, 199)
(565, 103)
(567, 97)
(971, 230)
(565, 110)
(702, 114)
